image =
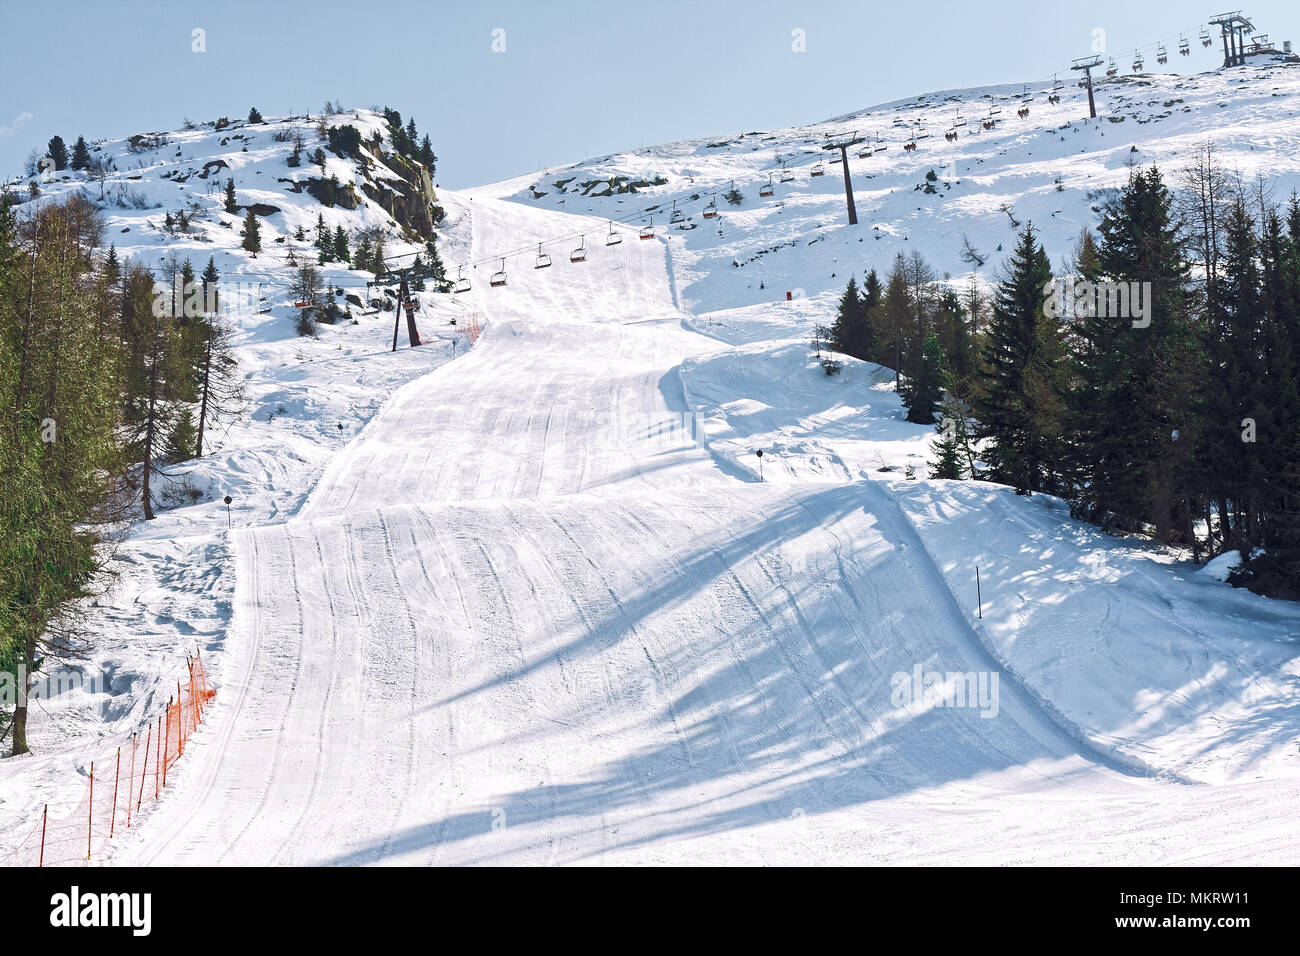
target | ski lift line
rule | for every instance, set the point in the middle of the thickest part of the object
(631, 221)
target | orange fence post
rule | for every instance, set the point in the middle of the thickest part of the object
(180, 720)
(167, 743)
(117, 775)
(90, 825)
(144, 770)
(45, 816)
(130, 779)
(157, 759)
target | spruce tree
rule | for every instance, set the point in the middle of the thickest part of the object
(252, 234)
(949, 460)
(1019, 392)
(80, 154)
(923, 391)
(232, 205)
(341, 252)
(181, 438)
(58, 152)
(1134, 428)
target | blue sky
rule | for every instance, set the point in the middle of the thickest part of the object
(575, 79)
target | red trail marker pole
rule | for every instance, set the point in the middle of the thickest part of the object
(90, 825)
(117, 776)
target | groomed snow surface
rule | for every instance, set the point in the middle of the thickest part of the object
(528, 616)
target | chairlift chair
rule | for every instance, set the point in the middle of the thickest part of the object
(648, 230)
(1205, 36)
(1184, 47)
(579, 254)
(819, 169)
(1023, 111)
(411, 305)
(1112, 70)
(880, 145)
(462, 281)
(767, 188)
(1162, 55)
(677, 214)
(499, 277)
(543, 260)
(786, 175)
(1137, 62)
(711, 210)
(1055, 96)
(613, 238)
(864, 152)
(910, 145)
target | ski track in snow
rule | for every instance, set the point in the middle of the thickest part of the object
(519, 620)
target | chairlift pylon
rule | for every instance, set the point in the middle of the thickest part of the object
(499, 277)
(613, 238)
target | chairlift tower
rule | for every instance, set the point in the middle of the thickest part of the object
(843, 146)
(1088, 64)
(400, 277)
(1233, 27)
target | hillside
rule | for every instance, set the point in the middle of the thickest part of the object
(538, 601)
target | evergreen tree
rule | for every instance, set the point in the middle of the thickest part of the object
(949, 460)
(848, 331)
(80, 154)
(341, 252)
(232, 205)
(58, 152)
(894, 317)
(426, 155)
(254, 116)
(112, 269)
(61, 457)
(181, 438)
(923, 392)
(1134, 428)
(252, 234)
(871, 298)
(1020, 387)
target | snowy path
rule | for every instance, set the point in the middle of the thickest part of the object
(521, 621)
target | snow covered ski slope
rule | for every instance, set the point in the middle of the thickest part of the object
(526, 617)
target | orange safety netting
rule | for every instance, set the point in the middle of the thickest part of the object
(471, 329)
(117, 789)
